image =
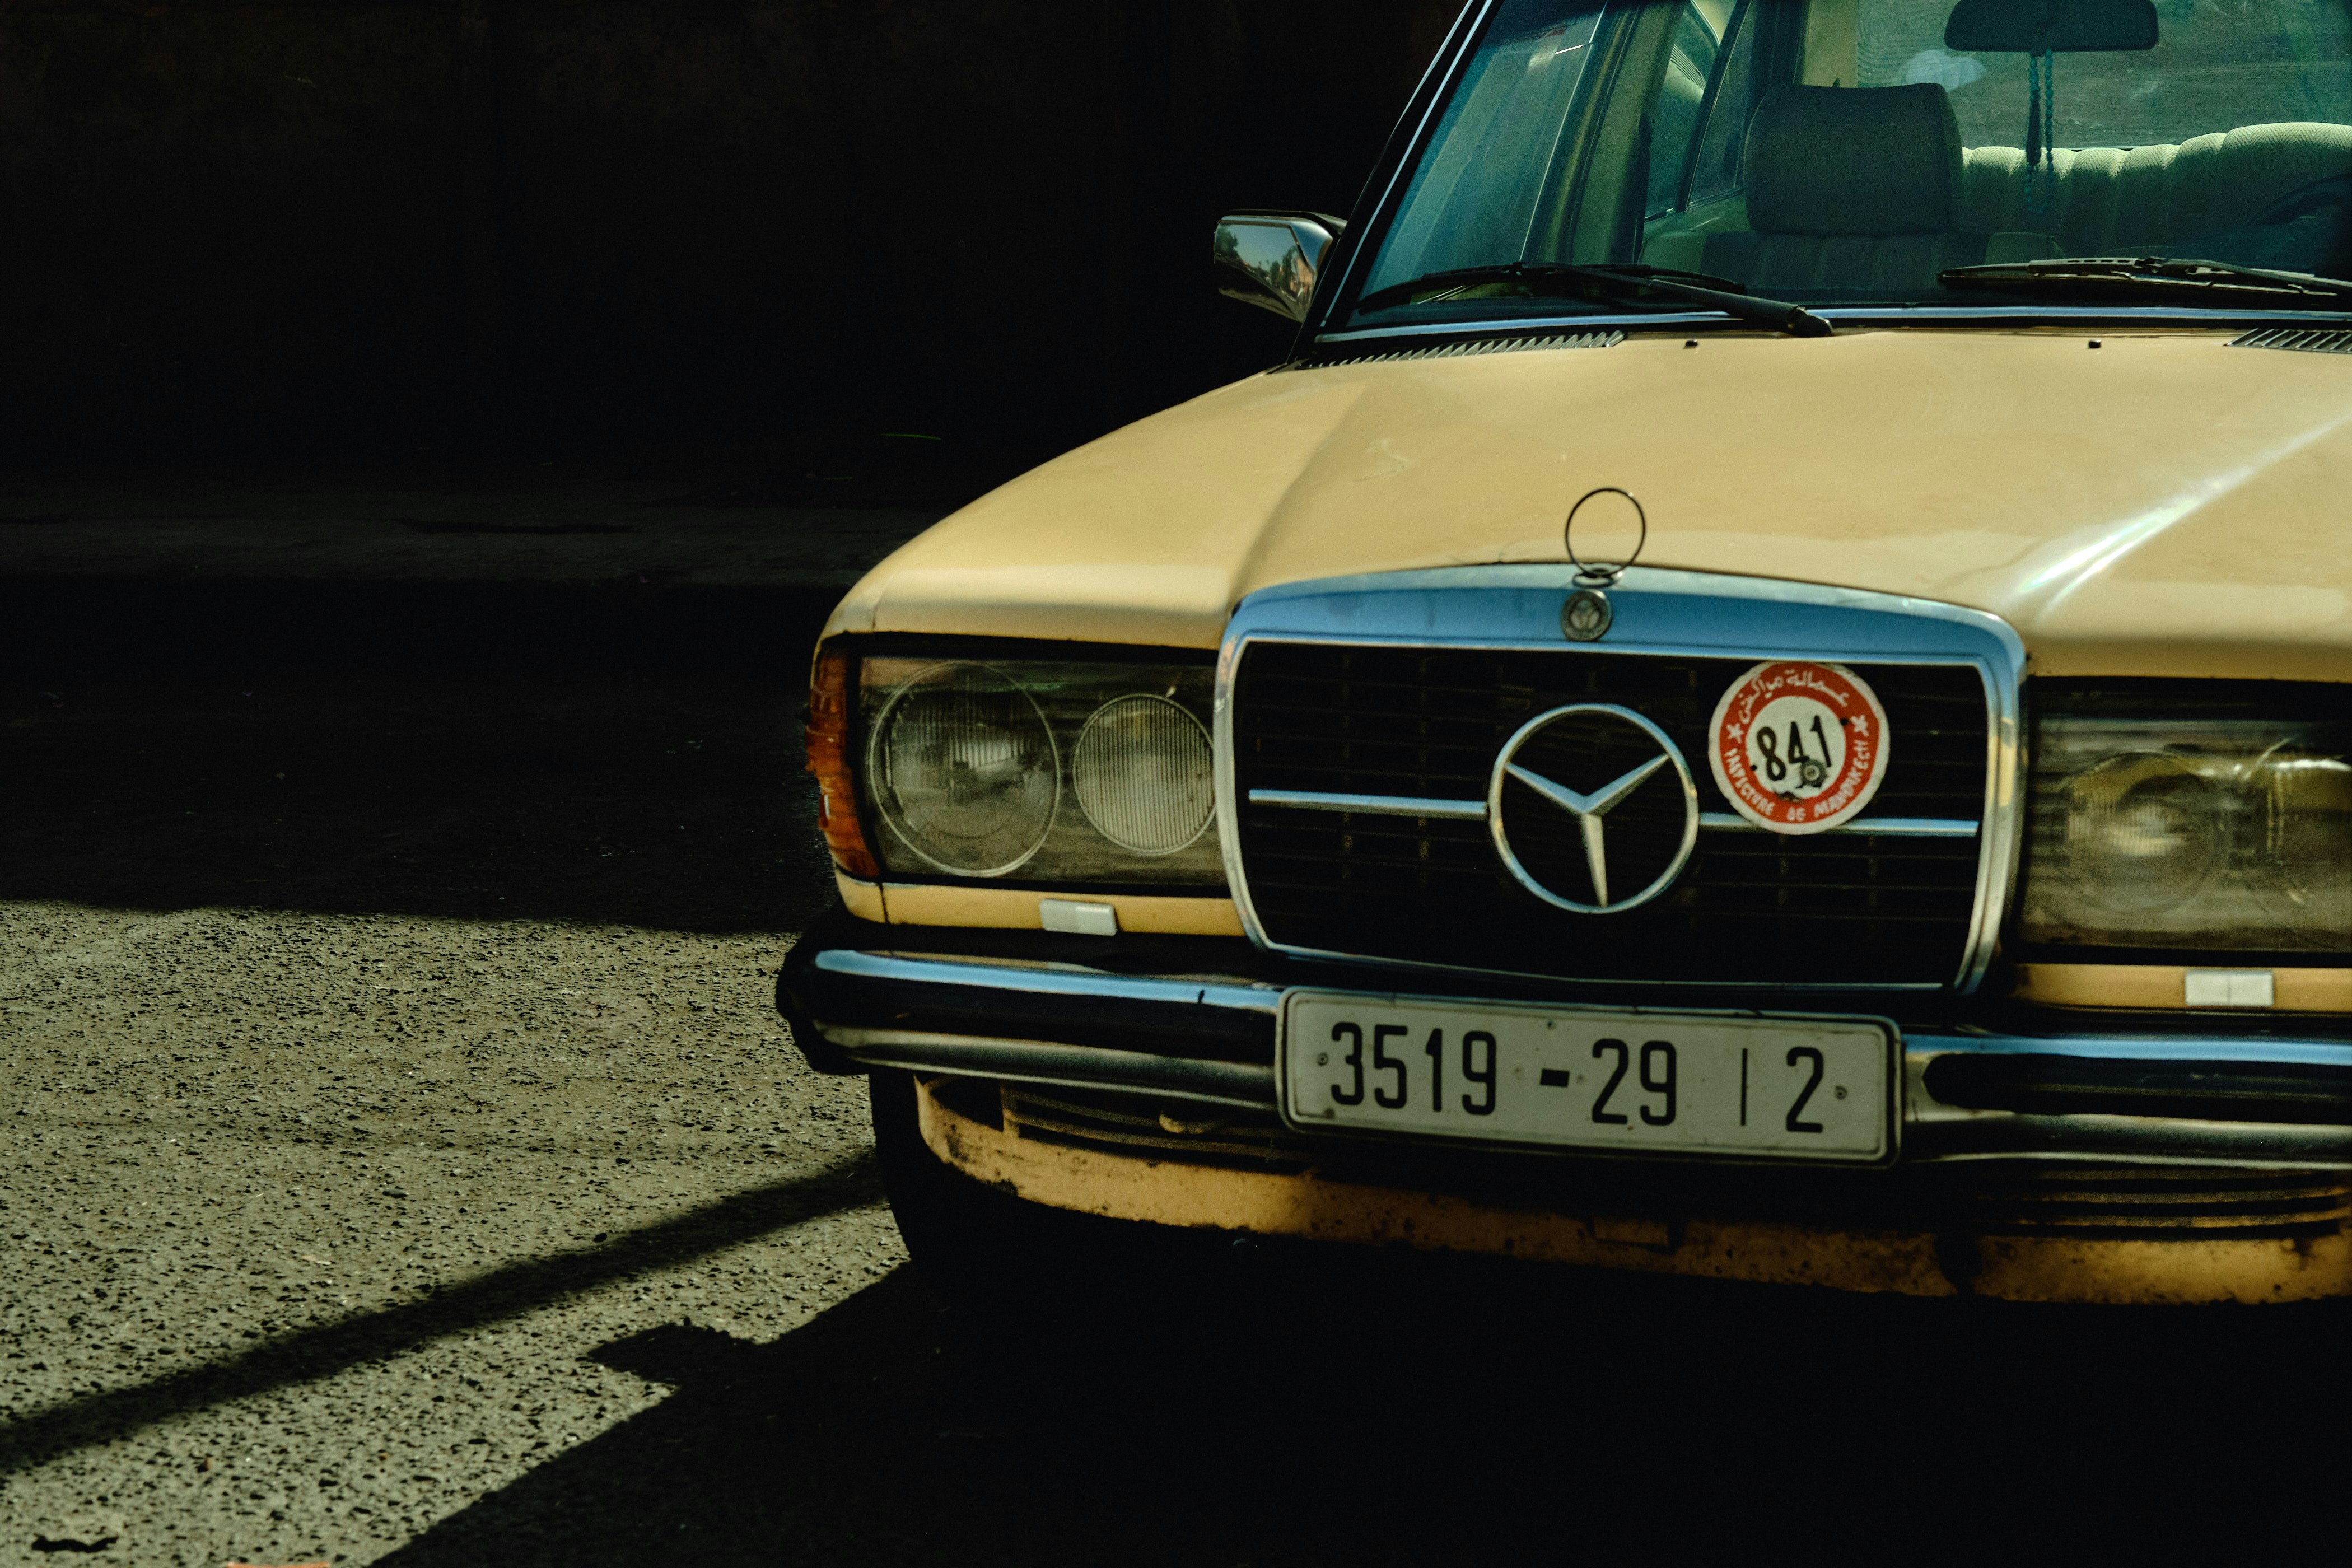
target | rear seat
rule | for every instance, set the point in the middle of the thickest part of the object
(1849, 187)
(2114, 201)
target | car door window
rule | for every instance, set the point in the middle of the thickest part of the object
(1682, 98)
(1715, 169)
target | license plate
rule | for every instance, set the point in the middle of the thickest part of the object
(1625, 1082)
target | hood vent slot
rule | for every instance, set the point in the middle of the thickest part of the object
(2303, 339)
(1608, 340)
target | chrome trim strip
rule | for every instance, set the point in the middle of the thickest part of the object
(1664, 613)
(2264, 1051)
(1075, 1067)
(1885, 827)
(1940, 1131)
(1372, 805)
(1937, 1131)
(1476, 811)
(1054, 980)
(2003, 844)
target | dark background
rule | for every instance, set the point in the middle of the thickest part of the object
(361, 229)
(506, 238)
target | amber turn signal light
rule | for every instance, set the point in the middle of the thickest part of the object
(828, 759)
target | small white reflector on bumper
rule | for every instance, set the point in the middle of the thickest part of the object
(2228, 988)
(1102, 920)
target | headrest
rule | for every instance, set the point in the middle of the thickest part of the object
(1853, 160)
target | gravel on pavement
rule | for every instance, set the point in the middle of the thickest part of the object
(317, 1195)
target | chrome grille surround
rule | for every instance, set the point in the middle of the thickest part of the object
(1659, 612)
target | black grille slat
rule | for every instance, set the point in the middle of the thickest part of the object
(1748, 907)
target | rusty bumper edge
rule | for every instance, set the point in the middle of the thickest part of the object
(1910, 1263)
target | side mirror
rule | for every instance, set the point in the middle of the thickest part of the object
(1271, 260)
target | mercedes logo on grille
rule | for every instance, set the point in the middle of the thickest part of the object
(1589, 801)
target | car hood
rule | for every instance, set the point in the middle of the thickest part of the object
(2146, 504)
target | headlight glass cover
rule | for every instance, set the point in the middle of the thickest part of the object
(1044, 772)
(2230, 833)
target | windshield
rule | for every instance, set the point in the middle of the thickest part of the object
(1850, 151)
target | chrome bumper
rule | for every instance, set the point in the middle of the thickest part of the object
(1211, 1039)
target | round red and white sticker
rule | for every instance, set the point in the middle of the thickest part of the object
(1797, 747)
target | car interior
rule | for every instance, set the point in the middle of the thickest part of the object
(1860, 148)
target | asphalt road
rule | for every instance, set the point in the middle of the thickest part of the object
(402, 1161)
(374, 1054)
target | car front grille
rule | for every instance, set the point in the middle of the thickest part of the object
(1840, 907)
(1184, 1131)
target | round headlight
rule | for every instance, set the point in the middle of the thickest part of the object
(964, 769)
(2305, 818)
(1143, 775)
(2142, 831)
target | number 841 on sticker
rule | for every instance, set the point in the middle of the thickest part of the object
(1659, 1083)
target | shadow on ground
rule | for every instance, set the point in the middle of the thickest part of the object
(521, 1286)
(1303, 1408)
(667, 802)
(68, 627)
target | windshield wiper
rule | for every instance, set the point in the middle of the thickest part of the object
(2144, 274)
(1593, 282)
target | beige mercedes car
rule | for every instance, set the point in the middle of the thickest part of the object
(1763, 695)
